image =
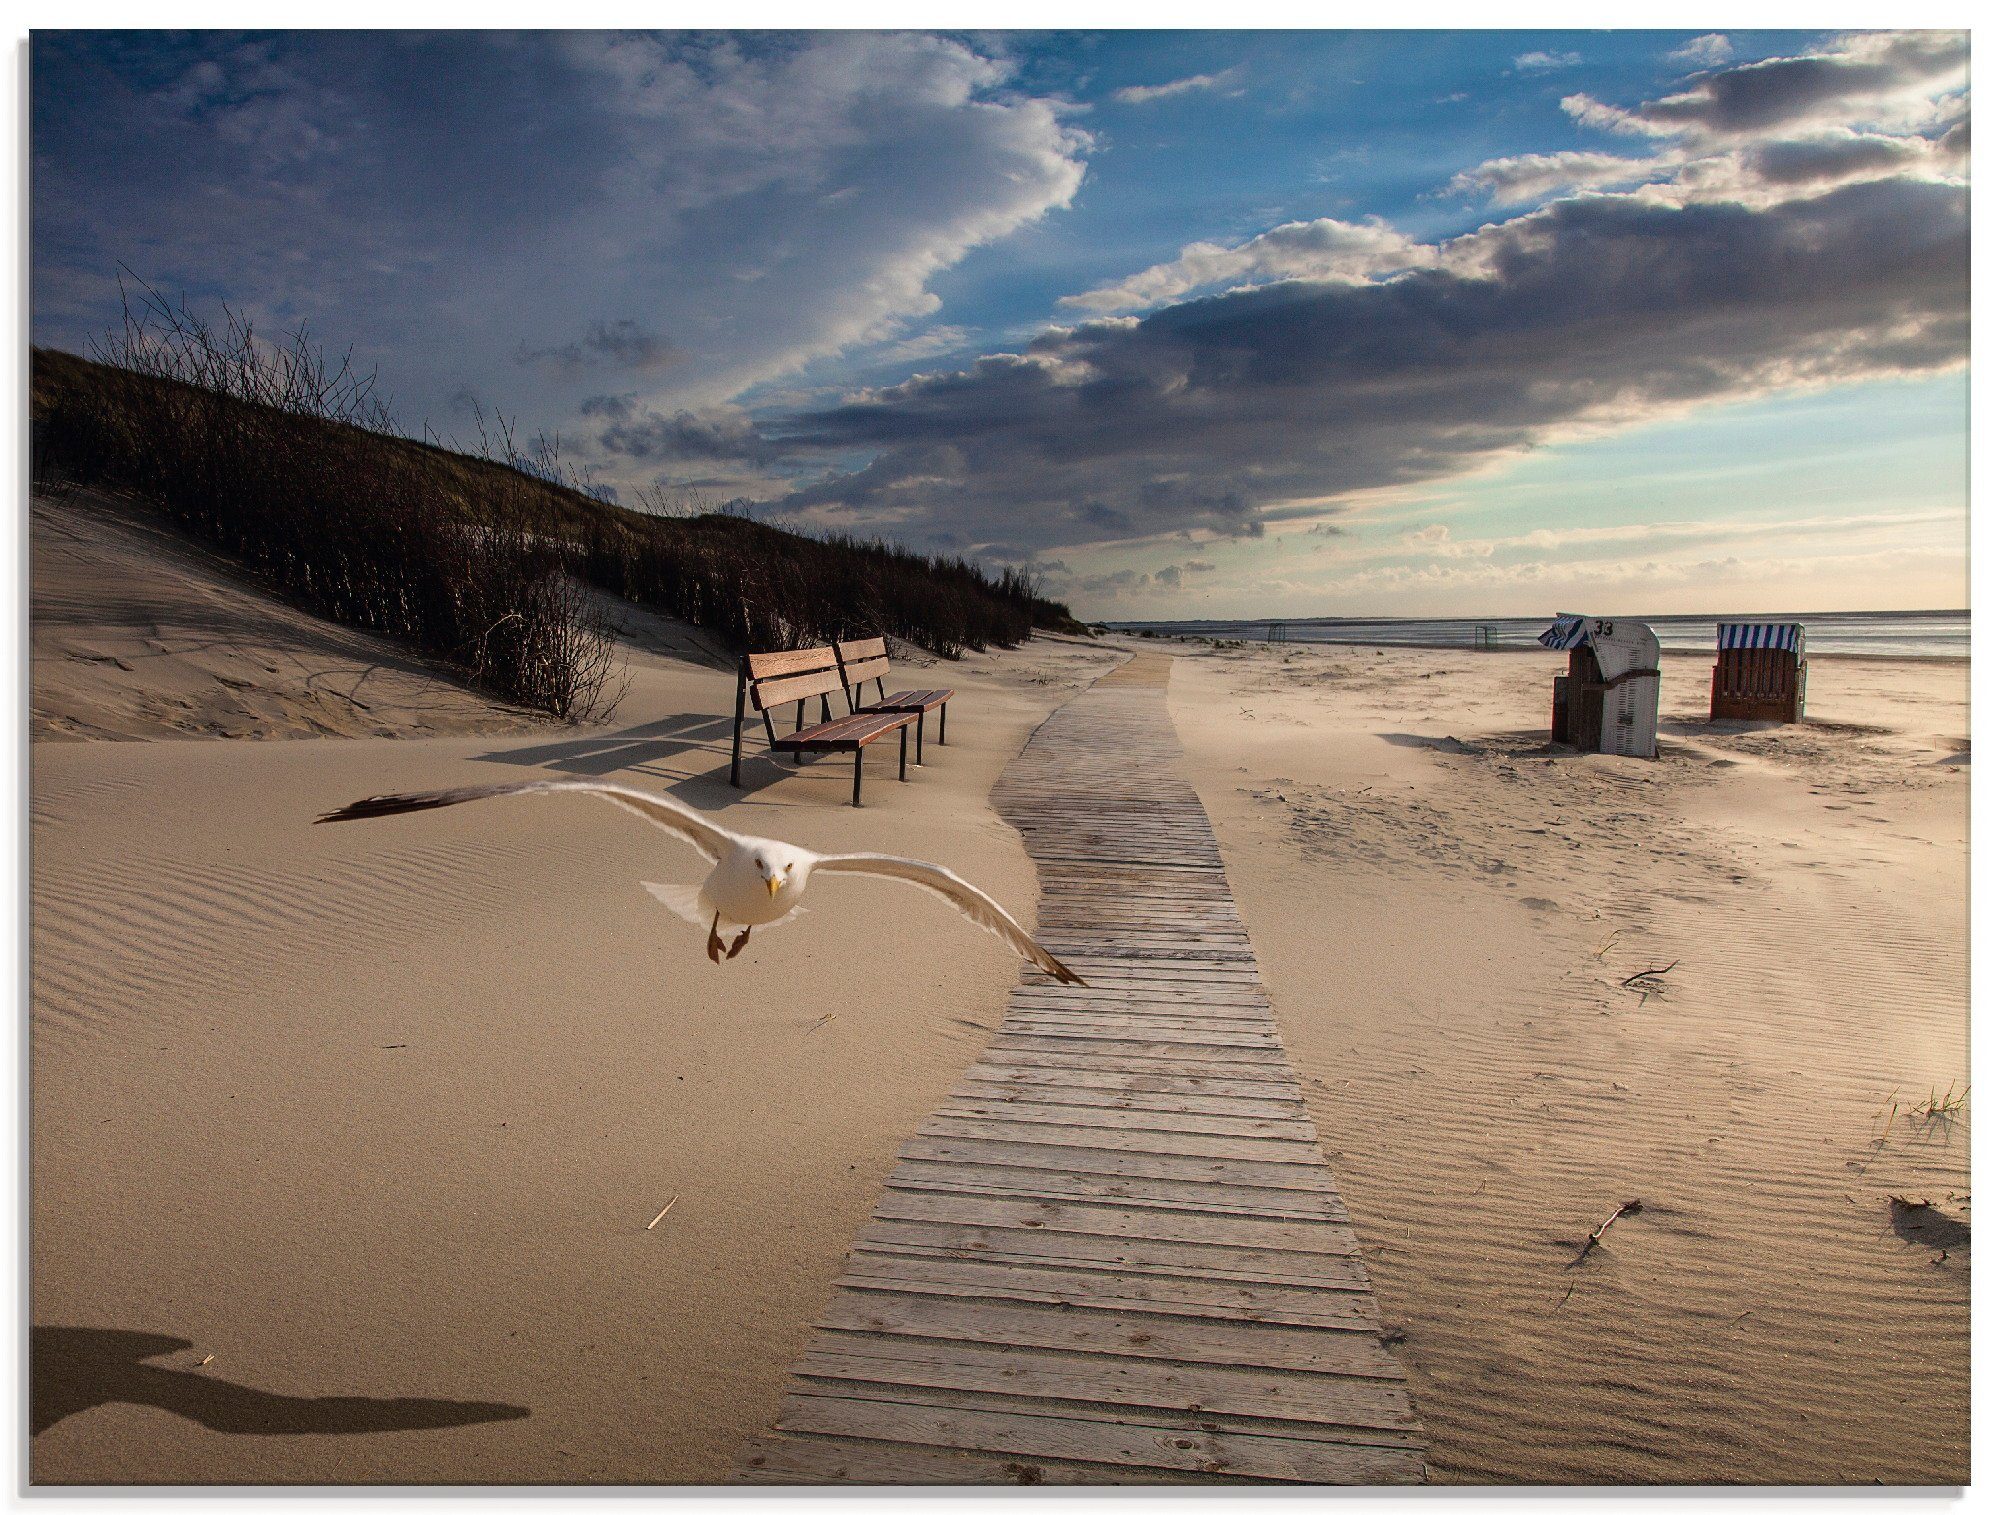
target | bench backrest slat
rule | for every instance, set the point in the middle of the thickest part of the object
(771, 665)
(767, 694)
(865, 658)
(780, 678)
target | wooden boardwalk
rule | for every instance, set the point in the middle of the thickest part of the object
(1115, 1255)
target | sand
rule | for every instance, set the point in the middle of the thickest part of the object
(382, 1111)
(346, 1139)
(1451, 992)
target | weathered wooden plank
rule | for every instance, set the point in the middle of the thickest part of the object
(1130, 1291)
(1255, 1148)
(1126, 1117)
(1023, 1072)
(1185, 1062)
(1313, 1236)
(794, 1459)
(1301, 1172)
(1150, 1039)
(1310, 1399)
(1299, 1348)
(1134, 1444)
(1080, 1249)
(1168, 1193)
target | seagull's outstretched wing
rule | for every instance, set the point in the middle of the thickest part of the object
(970, 901)
(668, 814)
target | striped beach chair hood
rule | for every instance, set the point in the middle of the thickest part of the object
(1567, 632)
(1786, 636)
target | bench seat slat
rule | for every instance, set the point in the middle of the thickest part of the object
(847, 734)
(910, 699)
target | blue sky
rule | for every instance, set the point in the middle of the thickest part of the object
(1194, 323)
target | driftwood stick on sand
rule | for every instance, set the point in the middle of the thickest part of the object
(1596, 1238)
(1646, 973)
(663, 1212)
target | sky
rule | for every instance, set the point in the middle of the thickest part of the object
(1192, 324)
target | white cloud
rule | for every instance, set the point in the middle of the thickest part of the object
(1542, 62)
(1705, 51)
(1534, 176)
(1143, 94)
(1350, 251)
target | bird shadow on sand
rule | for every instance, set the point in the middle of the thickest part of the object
(77, 1368)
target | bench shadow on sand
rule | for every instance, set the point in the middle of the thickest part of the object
(642, 752)
(77, 1368)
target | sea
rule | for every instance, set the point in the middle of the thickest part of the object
(1864, 633)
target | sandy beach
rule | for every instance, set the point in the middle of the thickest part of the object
(346, 1141)
(1444, 913)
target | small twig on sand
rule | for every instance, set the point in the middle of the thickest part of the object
(1599, 953)
(820, 1022)
(663, 1212)
(1596, 1238)
(1647, 973)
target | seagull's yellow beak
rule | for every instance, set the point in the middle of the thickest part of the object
(774, 884)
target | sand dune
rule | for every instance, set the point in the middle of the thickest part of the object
(1492, 1091)
(138, 633)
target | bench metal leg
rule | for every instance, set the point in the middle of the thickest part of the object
(736, 737)
(941, 713)
(903, 753)
(857, 778)
(920, 739)
(798, 725)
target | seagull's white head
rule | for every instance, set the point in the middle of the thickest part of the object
(783, 869)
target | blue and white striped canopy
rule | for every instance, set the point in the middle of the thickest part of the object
(1567, 632)
(1783, 635)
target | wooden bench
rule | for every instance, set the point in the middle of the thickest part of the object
(868, 658)
(766, 681)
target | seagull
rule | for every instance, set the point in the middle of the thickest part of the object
(755, 881)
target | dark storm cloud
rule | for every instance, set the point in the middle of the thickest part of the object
(1592, 310)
